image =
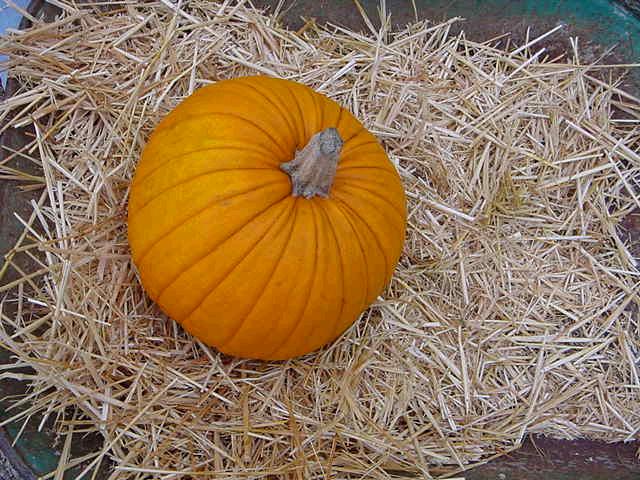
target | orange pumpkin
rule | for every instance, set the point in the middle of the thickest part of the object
(264, 218)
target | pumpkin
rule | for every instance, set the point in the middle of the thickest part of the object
(264, 218)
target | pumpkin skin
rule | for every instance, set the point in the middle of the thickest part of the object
(224, 247)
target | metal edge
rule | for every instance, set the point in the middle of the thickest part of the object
(34, 8)
(18, 468)
(632, 6)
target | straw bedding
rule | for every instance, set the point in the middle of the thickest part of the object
(513, 309)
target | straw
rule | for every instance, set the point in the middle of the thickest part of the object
(513, 309)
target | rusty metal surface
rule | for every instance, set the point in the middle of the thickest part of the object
(543, 458)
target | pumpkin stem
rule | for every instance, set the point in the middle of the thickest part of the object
(313, 168)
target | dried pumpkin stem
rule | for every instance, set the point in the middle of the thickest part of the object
(314, 167)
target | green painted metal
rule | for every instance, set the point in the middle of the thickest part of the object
(607, 24)
(35, 449)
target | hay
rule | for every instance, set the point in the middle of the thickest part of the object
(511, 311)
